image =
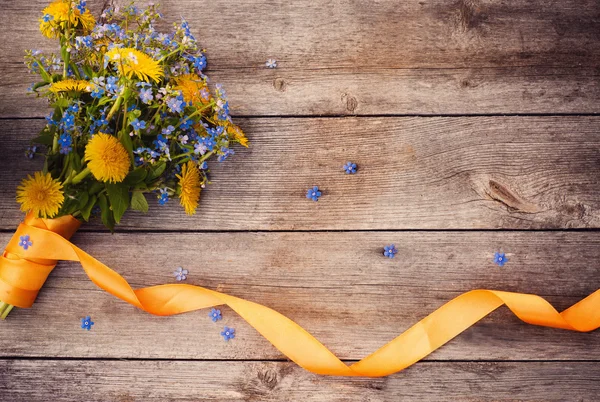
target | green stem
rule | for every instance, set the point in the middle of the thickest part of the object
(82, 175)
(55, 143)
(46, 76)
(170, 54)
(197, 112)
(206, 156)
(116, 105)
(6, 310)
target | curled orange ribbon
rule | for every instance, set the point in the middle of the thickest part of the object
(292, 340)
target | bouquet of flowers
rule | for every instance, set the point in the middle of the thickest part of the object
(132, 113)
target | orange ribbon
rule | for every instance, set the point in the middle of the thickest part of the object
(21, 280)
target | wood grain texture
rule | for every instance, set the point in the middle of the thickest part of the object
(127, 381)
(364, 57)
(425, 173)
(336, 285)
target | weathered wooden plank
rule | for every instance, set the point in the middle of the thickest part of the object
(360, 57)
(336, 285)
(38, 380)
(468, 172)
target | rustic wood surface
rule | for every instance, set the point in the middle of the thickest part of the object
(415, 173)
(160, 381)
(367, 57)
(416, 93)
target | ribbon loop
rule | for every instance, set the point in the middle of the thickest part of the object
(22, 277)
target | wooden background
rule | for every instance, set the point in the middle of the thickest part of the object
(475, 128)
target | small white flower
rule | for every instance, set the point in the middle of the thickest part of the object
(133, 58)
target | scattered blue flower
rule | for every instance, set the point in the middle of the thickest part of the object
(111, 84)
(86, 323)
(204, 93)
(500, 259)
(228, 333)
(84, 41)
(65, 150)
(390, 251)
(47, 18)
(215, 315)
(146, 95)
(30, 151)
(81, 6)
(68, 121)
(215, 132)
(186, 123)
(209, 143)
(65, 141)
(226, 153)
(102, 120)
(50, 120)
(200, 148)
(98, 92)
(99, 81)
(199, 62)
(313, 193)
(350, 168)
(25, 242)
(180, 274)
(204, 165)
(183, 139)
(164, 197)
(74, 108)
(223, 110)
(176, 104)
(138, 124)
(168, 130)
(271, 63)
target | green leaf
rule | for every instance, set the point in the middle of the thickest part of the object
(156, 170)
(106, 213)
(76, 162)
(138, 202)
(44, 75)
(96, 187)
(61, 103)
(83, 200)
(136, 176)
(104, 101)
(44, 139)
(41, 83)
(118, 195)
(126, 141)
(69, 206)
(86, 211)
(88, 70)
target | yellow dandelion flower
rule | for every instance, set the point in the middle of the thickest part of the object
(191, 87)
(237, 134)
(189, 186)
(40, 194)
(107, 158)
(69, 85)
(60, 13)
(133, 62)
